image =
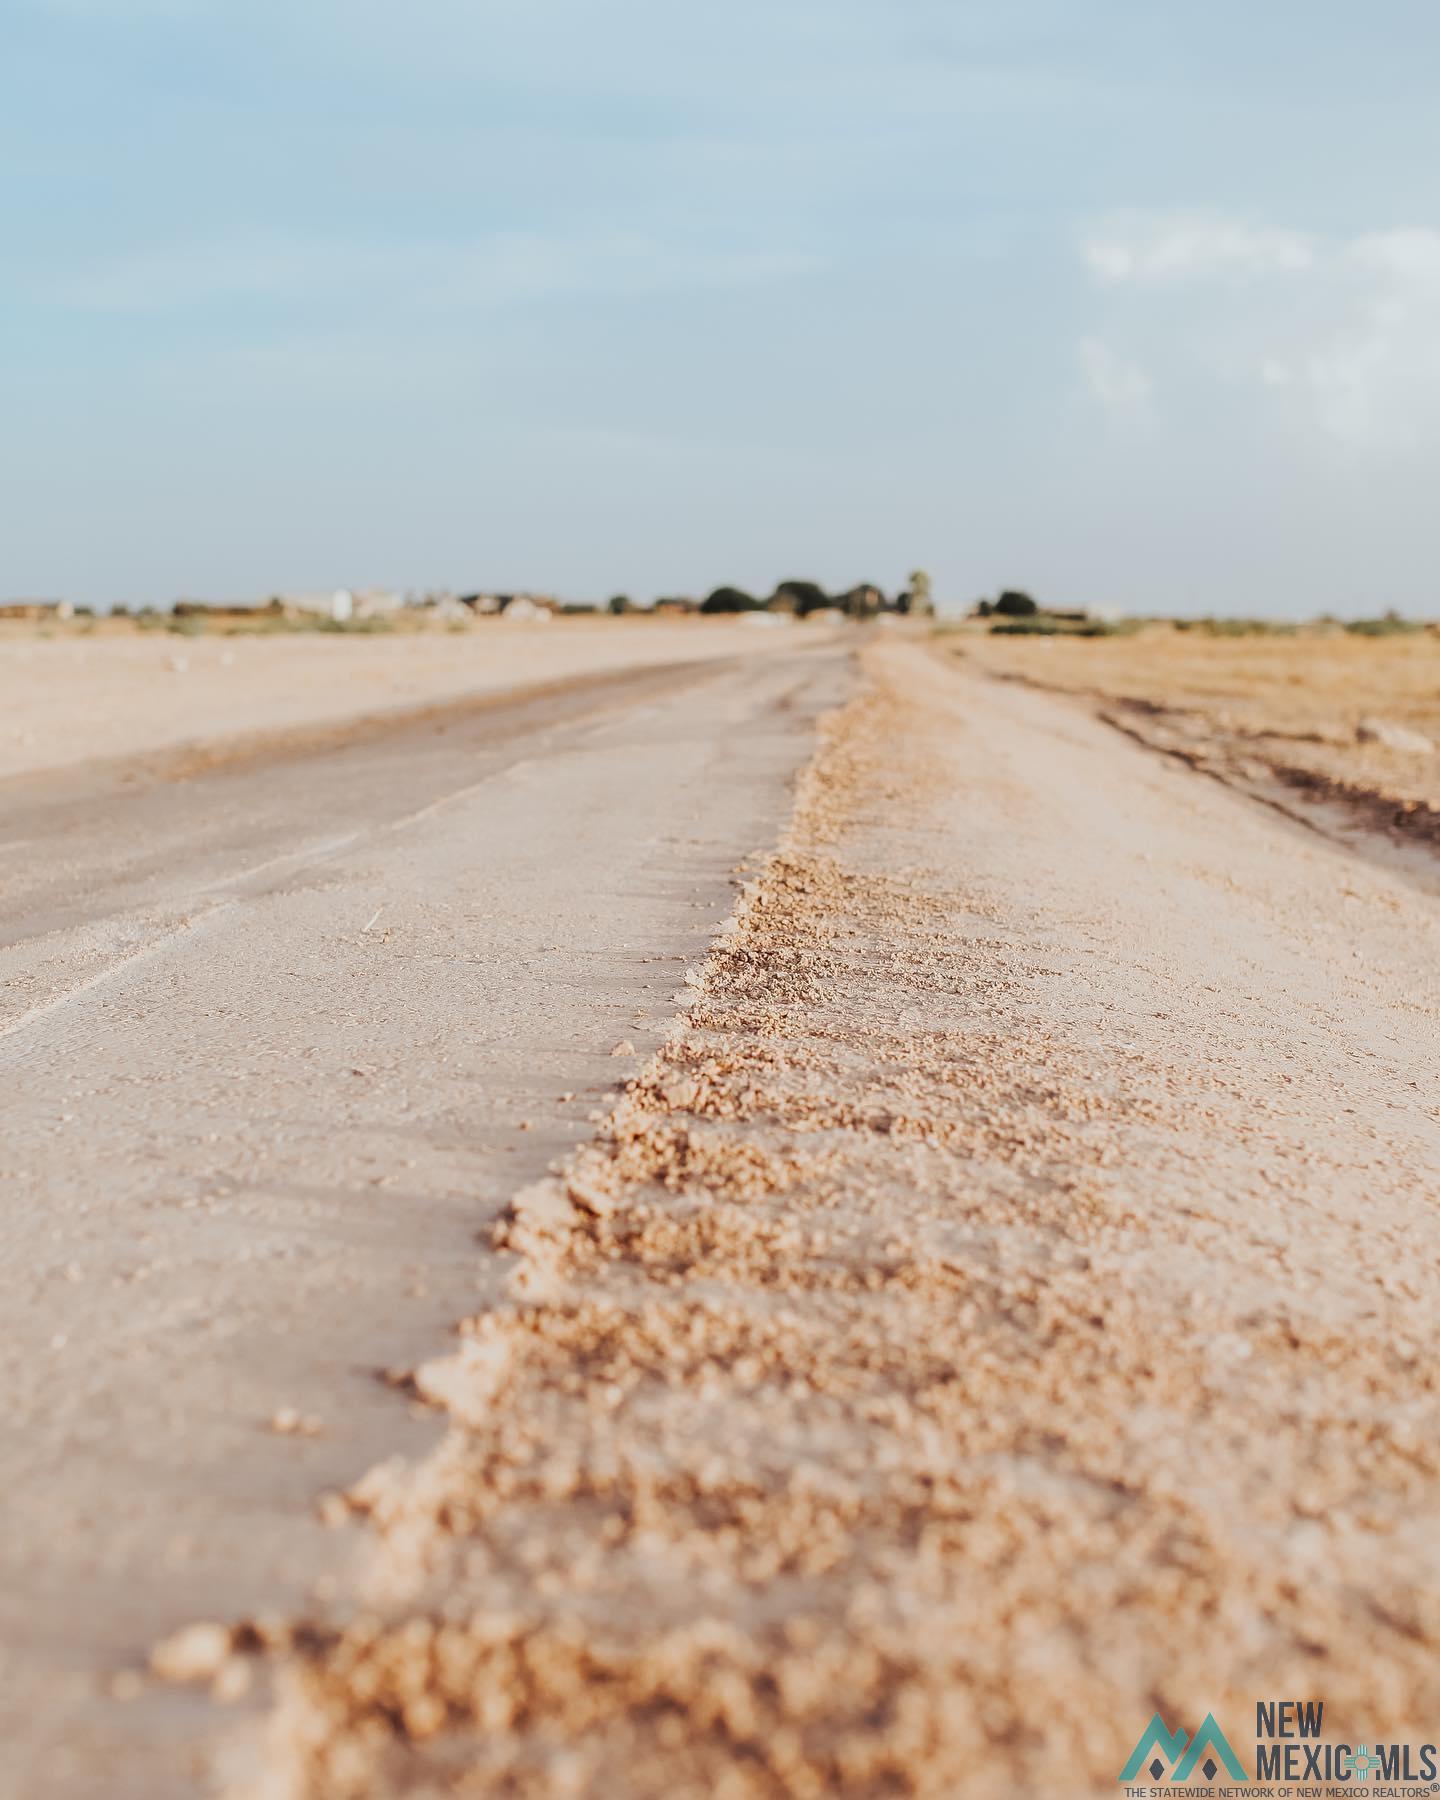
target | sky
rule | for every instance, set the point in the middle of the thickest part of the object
(1122, 303)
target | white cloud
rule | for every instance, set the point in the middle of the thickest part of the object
(1410, 257)
(1184, 247)
(1339, 333)
(1122, 387)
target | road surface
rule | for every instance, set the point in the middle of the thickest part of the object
(276, 1041)
(1004, 1309)
(1002, 1306)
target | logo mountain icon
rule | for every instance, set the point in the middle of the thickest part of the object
(1157, 1742)
(1160, 1749)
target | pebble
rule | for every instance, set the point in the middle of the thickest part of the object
(196, 1653)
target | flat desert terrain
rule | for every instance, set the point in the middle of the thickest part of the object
(827, 1218)
(75, 695)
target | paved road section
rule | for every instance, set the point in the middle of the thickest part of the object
(276, 1041)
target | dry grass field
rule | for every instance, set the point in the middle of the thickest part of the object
(1300, 710)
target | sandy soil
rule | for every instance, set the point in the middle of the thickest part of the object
(1006, 1305)
(73, 697)
(1284, 717)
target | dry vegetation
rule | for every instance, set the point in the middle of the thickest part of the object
(1294, 713)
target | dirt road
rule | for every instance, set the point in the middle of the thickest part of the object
(1002, 1307)
(276, 1042)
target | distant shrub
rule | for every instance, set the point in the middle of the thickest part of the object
(1389, 624)
(731, 600)
(1039, 626)
(1234, 628)
(799, 597)
(1013, 604)
(619, 603)
(866, 600)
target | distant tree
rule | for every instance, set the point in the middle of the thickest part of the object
(730, 600)
(983, 609)
(864, 601)
(1013, 604)
(620, 603)
(798, 597)
(921, 600)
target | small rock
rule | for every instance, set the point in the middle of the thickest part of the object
(467, 1384)
(1394, 737)
(197, 1653)
(290, 1423)
(623, 1048)
(544, 1204)
(232, 1681)
(333, 1511)
(589, 1198)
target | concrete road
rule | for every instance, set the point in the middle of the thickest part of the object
(276, 1041)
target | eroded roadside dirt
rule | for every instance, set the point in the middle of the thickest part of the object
(1004, 1307)
(1291, 721)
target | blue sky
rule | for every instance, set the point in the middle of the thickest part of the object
(1121, 302)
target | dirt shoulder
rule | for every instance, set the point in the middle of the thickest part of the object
(1005, 1306)
(1310, 720)
(73, 697)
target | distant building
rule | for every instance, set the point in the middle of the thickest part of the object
(531, 605)
(338, 604)
(376, 603)
(36, 609)
(522, 607)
